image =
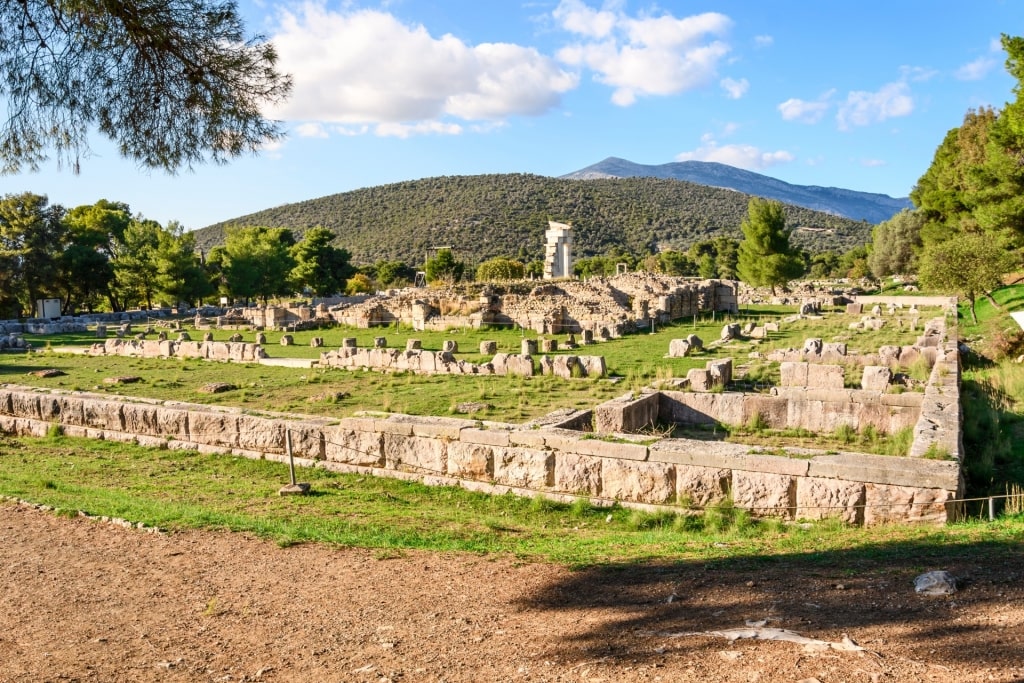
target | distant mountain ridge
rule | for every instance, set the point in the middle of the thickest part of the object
(858, 206)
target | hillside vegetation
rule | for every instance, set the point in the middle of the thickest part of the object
(506, 215)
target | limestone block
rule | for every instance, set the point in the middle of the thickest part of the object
(415, 454)
(626, 414)
(578, 474)
(413, 344)
(702, 486)
(884, 504)
(140, 419)
(833, 350)
(471, 460)
(102, 414)
(855, 309)
(380, 342)
(793, 374)
(565, 366)
(593, 366)
(548, 345)
(354, 447)
(316, 342)
(758, 332)
(236, 337)
(213, 428)
(261, 338)
(587, 336)
(813, 346)
(876, 378)
(349, 343)
(765, 495)
(888, 355)
(818, 498)
(908, 356)
(639, 482)
(528, 347)
(524, 467)
(771, 327)
(825, 376)
(488, 348)
(731, 331)
(720, 371)
(699, 379)
(260, 434)
(678, 348)
(286, 340)
(519, 365)
(876, 310)
(450, 346)
(695, 342)
(770, 410)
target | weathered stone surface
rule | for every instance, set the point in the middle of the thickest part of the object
(528, 347)
(678, 348)
(640, 482)
(885, 504)
(450, 346)
(627, 414)
(825, 376)
(593, 366)
(793, 374)
(417, 454)
(471, 461)
(260, 434)
(720, 371)
(699, 379)
(578, 474)
(818, 498)
(488, 348)
(702, 486)
(731, 331)
(524, 468)
(854, 309)
(875, 378)
(765, 495)
(813, 346)
(695, 342)
(287, 340)
(213, 428)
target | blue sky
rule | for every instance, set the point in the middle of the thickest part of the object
(847, 94)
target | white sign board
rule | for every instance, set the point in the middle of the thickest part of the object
(1019, 317)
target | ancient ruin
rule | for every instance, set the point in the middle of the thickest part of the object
(557, 251)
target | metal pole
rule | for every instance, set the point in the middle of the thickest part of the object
(991, 509)
(288, 450)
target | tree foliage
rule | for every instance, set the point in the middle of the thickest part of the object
(443, 267)
(505, 215)
(171, 82)
(969, 264)
(31, 232)
(320, 267)
(500, 269)
(765, 258)
(256, 262)
(896, 244)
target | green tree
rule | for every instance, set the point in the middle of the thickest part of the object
(706, 267)
(671, 262)
(86, 272)
(443, 267)
(171, 82)
(969, 264)
(256, 262)
(31, 234)
(359, 283)
(180, 272)
(500, 269)
(726, 257)
(135, 265)
(895, 244)
(391, 273)
(320, 267)
(765, 258)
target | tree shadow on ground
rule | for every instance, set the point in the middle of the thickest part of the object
(866, 592)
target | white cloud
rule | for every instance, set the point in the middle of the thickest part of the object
(976, 70)
(863, 108)
(643, 55)
(872, 163)
(311, 130)
(804, 111)
(763, 41)
(740, 156)
(575, 16)
(735, 89)
(366, 67)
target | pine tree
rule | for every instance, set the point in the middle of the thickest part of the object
(765, 256)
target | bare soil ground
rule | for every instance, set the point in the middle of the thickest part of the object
(91, 601)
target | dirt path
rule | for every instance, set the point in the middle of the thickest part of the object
(90, 601)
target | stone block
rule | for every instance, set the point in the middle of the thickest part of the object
(854, 309)
(626, 414)
(818, 498)
(354, 447)
(528, 347)
(720, 371)
(702, 486)
(471, 461)
(524, 468)
(349, 343)
(765, 495)
(886, 504)
(413, 344)
(678, 348)
(875, 378)
(488, 348)
(593, 366)
(825, 376)
(699, 380)
(260, 434)
(578, 474)
(415, 454)
(793, 374)
(813, 346)
(639, 482)
(548, 345)
(695, 342)
(450, 346)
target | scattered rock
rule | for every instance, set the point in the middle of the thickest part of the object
(328, 397)
(46, 374)
(935, 583)
(216, 388)
(470, 407)
(127, 379)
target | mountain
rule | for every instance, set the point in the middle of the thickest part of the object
(506, 215)
(858, 206)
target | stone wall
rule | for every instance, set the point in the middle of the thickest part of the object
(240, 352)
(424, 362)
(537, 459)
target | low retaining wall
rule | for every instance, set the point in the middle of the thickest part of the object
(528, 460)
(240, 352)
(420, 361)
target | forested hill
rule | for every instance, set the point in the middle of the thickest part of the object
(506, 215)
